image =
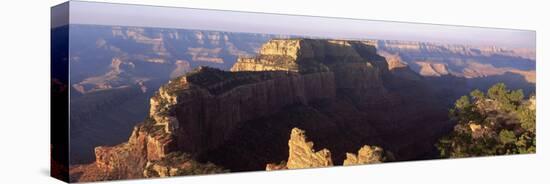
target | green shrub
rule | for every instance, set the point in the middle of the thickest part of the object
(480, 129)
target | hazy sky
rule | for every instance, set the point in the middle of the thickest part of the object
(167, 17)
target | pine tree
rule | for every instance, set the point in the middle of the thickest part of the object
(481, 131)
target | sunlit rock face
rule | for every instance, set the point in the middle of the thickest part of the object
(365, 155)
(302, 155)
(472, 62)
(356, 66)
(326, 86)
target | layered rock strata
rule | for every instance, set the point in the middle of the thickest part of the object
(345, 85)
(302, 154)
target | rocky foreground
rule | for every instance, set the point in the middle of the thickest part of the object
(303, 155)
(342, 92)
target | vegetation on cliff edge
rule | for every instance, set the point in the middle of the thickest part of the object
(499, 122)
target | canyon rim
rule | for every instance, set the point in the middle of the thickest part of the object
(148, 102)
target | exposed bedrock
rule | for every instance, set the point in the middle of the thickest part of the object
(341, 92)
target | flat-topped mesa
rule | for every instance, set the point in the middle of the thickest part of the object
(358, 69)
(285, 47)
(309, 55)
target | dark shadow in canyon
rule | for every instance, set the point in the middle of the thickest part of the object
(338, 125)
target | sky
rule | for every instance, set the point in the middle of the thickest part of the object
(94, 13)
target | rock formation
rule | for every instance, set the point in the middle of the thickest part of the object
(203, 108)
(432, 69)
(108, 62)
(329, 86)
(437, 59)
(365, 155)
(178, 164)
(146, 154)
(302, 154)
(356, 66)
(451, 49)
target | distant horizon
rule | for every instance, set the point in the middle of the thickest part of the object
(311, 37)
(144, 16)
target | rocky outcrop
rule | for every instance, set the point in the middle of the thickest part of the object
(274, 56)
(124, 161)
(193, 115)
(302, 155)
(433, 69)
(358, 70)
(308, 55)
(116, 77)
(178, 164)
(148, 149)
(203, 108)
(365, 155)
(335, 82)
(393, 59)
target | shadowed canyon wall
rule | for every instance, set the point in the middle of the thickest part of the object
(343, 93)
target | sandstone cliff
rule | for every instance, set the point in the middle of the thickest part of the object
(342, 92)
(146, 154)
(202, 109)
(357, 68)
